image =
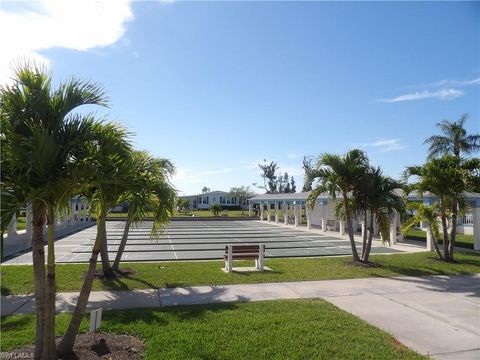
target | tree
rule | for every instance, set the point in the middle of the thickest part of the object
(338, 176)
(307, 168)
(454, 140)
(380, 200)
(40, 137)
(269, 177)
(242, 193)
(293, 187)
(286, 184)
(428, 214)
(183, 204)
(108, 159)
(216, 208)
(148, 191)
(205, 190)
(448, 178)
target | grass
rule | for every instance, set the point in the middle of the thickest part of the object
(21, 223)
(289, 329)
(17, 279)
(461, 240)
(197, 213)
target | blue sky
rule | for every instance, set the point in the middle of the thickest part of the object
(217, 87)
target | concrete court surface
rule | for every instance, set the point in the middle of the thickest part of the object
(433, 315)
(202, 240)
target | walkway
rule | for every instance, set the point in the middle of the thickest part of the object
(435, 315)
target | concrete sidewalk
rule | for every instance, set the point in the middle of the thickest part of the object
(435, 315)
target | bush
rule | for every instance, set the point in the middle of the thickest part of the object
(216, 208)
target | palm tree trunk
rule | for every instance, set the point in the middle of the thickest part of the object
(364, 240)
(453, 234)
(106, 269)
(38, 258)
(1, 247)
(123, 242)
(446, 248)
(49, 346)
(68, 340)
(370, 239)
(435, 243)
(350, 228)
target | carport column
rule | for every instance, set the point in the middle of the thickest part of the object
(393, 228)
(429, 240)
(375, 227)
(80, 211)
(72, 212)
(249, 209)
(285, 213)
(261, 211)
(322, 212)
(268, 212)
(476, 227)
(296, 212)
(276, 212)
(87, 215)
(308, 213)
(28, 222)
(341, 229)
(12, 228)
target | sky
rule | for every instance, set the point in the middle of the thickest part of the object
(217, 87)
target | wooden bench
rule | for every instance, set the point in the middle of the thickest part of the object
(244, 252)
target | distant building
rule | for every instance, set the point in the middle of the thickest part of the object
(205, 200)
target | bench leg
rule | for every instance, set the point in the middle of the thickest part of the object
(229, 262)
(260, 257)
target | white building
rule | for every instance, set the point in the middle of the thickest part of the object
(206, 200)
(323, 213)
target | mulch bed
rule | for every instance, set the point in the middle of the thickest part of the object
(105, 346)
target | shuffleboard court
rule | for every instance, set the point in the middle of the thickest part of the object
(202, 240)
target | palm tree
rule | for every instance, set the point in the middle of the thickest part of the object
(38, 140)
(339, 175)
(447, 177)
(428, 214)
(381, 200)
(216, 208)
(148, 191)
(454, 140)
(108, 159)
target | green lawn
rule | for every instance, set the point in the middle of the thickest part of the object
(291, 329)
(21, 223)
(17, 279)
(461, 240)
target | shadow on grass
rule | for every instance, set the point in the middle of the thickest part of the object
(15, 323)
(5, 291)
(116, 282)
(429, 266)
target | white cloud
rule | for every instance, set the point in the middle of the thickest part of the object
(183, 175)
(220, 171)
(467, 82)
(384, 145)
(78, 25)
(293, 156)
(443, 94)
